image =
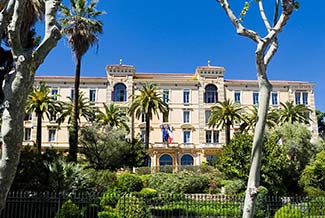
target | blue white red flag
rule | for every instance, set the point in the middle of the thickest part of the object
(164, 134)
(170, 134)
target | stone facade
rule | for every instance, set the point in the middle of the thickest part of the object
(189, 96)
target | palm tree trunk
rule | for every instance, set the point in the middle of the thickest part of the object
(147, 134)
(73, 131)
(39, 132)
(227, 131)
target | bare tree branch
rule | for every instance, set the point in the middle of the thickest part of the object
(276, 12)
(276, 29)
(52, 32)
(241, 30)
(271, 52)
(15, 27)
(264, 17)
(7, 8)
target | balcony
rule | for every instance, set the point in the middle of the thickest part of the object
(210, 145)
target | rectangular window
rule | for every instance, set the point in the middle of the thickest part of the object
(186, 116)
(27, 134)
(215, 136)
(275, 98)
(54, 93)
(237, 96)
(255, 98)
(28, 117)
(52, 133)
(212, 136)
(186, 96)
(72, 94)
(207, 116)
(305, 98)
(208, 136)
(298, 97)
(53, 116)
(166, 96)
(92, 95)
(187, 136)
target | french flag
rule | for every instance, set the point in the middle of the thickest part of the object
(170, 135)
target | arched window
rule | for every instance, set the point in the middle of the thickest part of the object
(119, 93)
(165, 160)
(187, 160)
(211, 94)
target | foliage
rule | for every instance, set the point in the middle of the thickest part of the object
(85, 109)
(148, 192)
(233, 186)
(112, 117)
(81, 26)
(69, 210)
(128, 183)
(67, 176)
(32, 174)
(41, 101)
(321, 123)
(293, 113)
(249, 119)
(313, 174)
(316, 207)
(110, 149)
(234, 158)
(102, 180)
(234, 161)
(131, 206)
(147, 101)
(288, 211)
(224, 115)
(184, 182)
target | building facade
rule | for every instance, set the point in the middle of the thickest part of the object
(189, 96)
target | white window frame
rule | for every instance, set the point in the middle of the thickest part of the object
(52, 137)
(190, 136)
(187, 97)
(29, 138)
(188, 120)
(237, 92)
(277, 98)
(255, 100)
(55, 93)
(91, 97)
(166, 94)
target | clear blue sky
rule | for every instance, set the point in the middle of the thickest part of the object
(178, 35)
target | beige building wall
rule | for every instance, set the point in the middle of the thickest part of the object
(194, 86)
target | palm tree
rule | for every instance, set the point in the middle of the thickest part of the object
(84, 110)
(224, 115)
(293, 113)
(41, 101)
(148, 102)
(81, 27)
(250, 119)
(112, 117)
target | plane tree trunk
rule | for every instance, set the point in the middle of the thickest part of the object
(17, 84)
(266, 49)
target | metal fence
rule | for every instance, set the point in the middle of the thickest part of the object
(151, 205)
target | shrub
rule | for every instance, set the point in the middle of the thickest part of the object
(234, 186)
(288, 211)
(317, 207)
(102, 180)
(69, 210)
(128, 182)
(148, 192)
(130, 206)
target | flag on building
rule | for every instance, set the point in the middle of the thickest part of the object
(170, 134)
(164, 134)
